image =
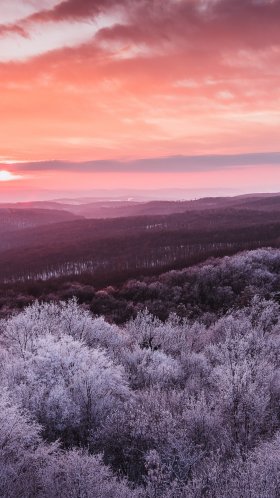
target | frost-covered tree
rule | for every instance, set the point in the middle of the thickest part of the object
(68, 387)
(22, 451)
(75, 474)
(21, 331)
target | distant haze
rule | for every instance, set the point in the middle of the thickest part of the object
(84, 196)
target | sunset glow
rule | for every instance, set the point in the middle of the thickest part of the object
(126, 80)
(6, 176)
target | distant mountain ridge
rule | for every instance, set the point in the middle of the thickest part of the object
(102, 209)
(13, 219)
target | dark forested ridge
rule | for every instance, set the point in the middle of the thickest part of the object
(13, 220)
(44, 257)
(214, 286)
(135, 245)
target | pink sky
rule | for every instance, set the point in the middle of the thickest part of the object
(130, 79)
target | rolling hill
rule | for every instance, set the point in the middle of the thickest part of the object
(134, 245)
(12, 219)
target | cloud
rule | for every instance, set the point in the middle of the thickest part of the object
(170, 164)
(192, 28)
(252, 23)
(12, 29)
(164, 77)
(68, 10)
(73, 10)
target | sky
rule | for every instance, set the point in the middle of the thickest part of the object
(139, 94)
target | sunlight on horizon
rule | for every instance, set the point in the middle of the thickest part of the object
(7, 176)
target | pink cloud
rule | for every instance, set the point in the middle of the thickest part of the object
(167, 78)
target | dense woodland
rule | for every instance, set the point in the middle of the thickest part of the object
(212, 287)
(13, 220)
(133, 246)
(139, 356)
(182, 406)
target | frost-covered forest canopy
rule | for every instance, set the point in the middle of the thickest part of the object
(183, 405)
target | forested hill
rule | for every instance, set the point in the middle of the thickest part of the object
(12, 220)
(212, 287)
(131, 246)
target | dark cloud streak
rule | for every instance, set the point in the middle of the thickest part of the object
(234, 23)
(171, 164)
